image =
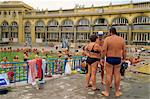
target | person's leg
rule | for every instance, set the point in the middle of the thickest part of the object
(112, 78)
(88, 75)
(109, 70)
(102, 74)
(93, 74)
(117, 77)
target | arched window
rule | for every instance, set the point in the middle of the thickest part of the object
(53, 23)
(67, 22)
(53, 30)
(5, 31)
(141, 23)
(40, 23)
(39, 26)
(120, 21)
(100, 21)
(100, 24)
(28, 24)
(83, 22)
(83, 25)
(14, 26)
(67, 25)
(27, 27)
(141, 20)
(5, 23)
(40, 31)
(14, 30)
(5, 26)
(83, 30)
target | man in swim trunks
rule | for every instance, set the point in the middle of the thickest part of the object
(114, 50)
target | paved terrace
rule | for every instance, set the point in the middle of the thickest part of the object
(134, 86)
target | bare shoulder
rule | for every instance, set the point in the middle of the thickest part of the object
(107, 38)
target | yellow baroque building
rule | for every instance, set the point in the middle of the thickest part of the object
(19, 22)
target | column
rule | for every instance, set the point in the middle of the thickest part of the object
(9, 33)
(130, 35)
(59, 33)
(141, 36)
(23, 30)
(91, 29)
(33, 33)
(45, 29)
(75, 32)
(20, 29)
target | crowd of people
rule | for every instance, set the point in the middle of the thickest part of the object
(103, 51)
(108, 52)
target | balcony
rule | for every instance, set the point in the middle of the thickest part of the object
(40, 29)
(83, 28)
(72, 13)
(141, 27)
(99, 28)
(121, 28)
(53, 29)
(27, 29)
(67, 29)
(14, 29)
(5, 29)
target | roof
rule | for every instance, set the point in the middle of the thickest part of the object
(13, 4)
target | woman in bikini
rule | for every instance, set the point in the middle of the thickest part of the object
(93, 57)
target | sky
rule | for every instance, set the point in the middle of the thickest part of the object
(68, 4)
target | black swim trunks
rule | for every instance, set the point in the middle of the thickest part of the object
(113, 60)
(92, 60)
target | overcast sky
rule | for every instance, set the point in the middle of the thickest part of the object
(67, 4)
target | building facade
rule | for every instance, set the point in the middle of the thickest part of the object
(19, 22)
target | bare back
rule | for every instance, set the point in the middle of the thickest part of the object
(96, 47)
(114, 46)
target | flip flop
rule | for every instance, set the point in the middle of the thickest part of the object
(103, 93)
(95, 89)
(88, 85)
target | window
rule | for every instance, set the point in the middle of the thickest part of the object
(120, 21)
(83, 22)
(53, 23)
(142, 20)
(68, 23)
(100, 21)
(5, 13)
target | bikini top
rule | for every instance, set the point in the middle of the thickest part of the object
(93, 51)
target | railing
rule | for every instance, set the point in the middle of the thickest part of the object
(19, 70)
(141, 27)
(57, 13)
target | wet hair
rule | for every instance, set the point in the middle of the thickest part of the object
(113, 30)
(93, 38)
